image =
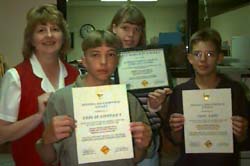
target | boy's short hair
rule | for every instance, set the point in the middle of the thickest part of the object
(99, 37)
(206, 35)
(40, 15)
(130, 14)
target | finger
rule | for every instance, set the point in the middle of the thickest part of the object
(138, 140)
(176, 122)
(140, 129)
(239, 121)
(238, 124)
(136, 127)
(141, 137)
(237, 131)
(133, 124)
(176, 119)
(137, 135)
(46, 96)
(139, 126)
(176, 126)
(164, 91)
(157, 98)
(65, 119)
(152, 96)
(63, 135)
(64, 129)
(62, 122)
(237, 118)
(168, 91)
(160, 91)
(50, 93)
(175, 129)
(176, 115)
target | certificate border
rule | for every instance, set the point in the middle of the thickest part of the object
(214, 94)
(150, 89)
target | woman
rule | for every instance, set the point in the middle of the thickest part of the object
(46, 42)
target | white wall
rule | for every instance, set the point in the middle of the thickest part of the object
(233, 23)
(158, 19)
(12, 18)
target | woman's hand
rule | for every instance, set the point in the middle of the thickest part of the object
(42, 102)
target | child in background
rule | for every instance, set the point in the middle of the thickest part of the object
(100, 60)
(204, 57)
(129, 25)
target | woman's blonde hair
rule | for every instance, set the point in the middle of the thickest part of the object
(41, 15)
(130, 14)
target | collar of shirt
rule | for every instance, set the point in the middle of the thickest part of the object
(45, 83)
(80, 81)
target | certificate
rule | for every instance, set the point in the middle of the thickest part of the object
(208, 124)
(102, 116)
(143, 69)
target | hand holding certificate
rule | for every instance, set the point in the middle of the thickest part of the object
(208, 125)
(102, 132)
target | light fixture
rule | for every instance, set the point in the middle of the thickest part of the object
(113, 0)
(129, 0)
(143, 0)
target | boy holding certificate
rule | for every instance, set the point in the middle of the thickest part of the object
(58, 141)
(205, 47)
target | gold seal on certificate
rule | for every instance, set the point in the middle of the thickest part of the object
(206, 97)
(102, 116)
(105, 149)
(208, 125)
(144, 83)
(142, 69)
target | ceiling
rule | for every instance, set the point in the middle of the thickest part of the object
(99, 3)
(168, 3)
(214, 7)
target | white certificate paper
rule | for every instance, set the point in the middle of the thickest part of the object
(208, 124)
(102, 115)
(141, 69)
